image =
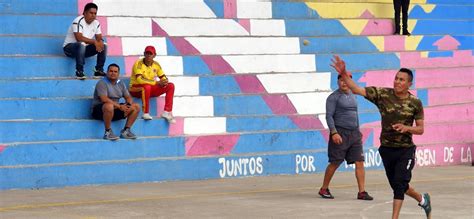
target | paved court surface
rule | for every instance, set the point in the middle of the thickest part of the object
(295, 196)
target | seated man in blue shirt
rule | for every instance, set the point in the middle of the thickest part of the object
(345, 141)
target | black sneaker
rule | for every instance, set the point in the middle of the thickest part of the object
(364, 196)
(324, 193)
(427, 205)
(98, 73)
(406, 33)
(80, 75)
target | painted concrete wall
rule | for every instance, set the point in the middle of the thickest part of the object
(252, 78)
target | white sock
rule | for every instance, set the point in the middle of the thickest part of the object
(422, 200)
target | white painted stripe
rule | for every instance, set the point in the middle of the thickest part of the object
(171, 65)
(296, 82)
(309, 103)
(193, 106)
(148, 8)
(267, 28)
(214, 125)
(245, 45)
(136, 45)
(201, 27)
(246, 9)
(272, 63)
(322, 118)
(128, 26)
(185, 85)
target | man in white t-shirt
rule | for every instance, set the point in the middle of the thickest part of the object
(84, 39)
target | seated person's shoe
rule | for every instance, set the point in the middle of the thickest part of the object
(324, 193)
(109, 135)
(364, 196)
(427, 205)
(168, 116)
(147, 116)
(127, 134)
(80, 75)
(99, 73)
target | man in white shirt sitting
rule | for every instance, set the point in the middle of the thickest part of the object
(84, 39)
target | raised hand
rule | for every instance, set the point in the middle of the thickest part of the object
(338, 64)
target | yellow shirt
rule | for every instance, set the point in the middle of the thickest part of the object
(143, 74)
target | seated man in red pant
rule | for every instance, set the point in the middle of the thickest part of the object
(148, 80)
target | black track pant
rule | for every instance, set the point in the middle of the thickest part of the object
(403, 5)
(398, 163)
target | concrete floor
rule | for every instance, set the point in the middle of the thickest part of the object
(295, 196)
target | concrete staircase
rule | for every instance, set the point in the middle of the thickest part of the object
(251, 82)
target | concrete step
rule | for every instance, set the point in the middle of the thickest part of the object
(98, 150)
(61, 66)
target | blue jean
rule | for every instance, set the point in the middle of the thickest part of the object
(81, 51)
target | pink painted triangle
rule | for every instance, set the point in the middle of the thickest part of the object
(156, 30)
(245, 23)
(367, 14)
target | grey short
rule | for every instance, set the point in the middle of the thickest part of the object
(350, 150)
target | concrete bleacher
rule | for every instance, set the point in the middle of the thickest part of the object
(251, 82)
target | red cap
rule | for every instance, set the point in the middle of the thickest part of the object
(150, 49)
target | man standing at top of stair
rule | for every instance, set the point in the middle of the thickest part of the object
(84, 39)
(148, 80)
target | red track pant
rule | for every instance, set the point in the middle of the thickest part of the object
(145, 91)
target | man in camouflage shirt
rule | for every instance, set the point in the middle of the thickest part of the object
(398, 109)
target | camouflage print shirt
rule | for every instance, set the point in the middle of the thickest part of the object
(395, 110)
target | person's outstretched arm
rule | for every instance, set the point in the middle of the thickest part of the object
(340, 66)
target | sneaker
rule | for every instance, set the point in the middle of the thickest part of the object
(147, 116)
(109, 135)
(427, 205)
(324, 193)
(127, 134)
(406, 33)
(168, 116)
(99, 73)
(80, 75)
(364, 196)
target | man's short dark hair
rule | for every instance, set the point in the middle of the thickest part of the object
(408, 71)
(339, 76)
(89, 6)
(113, 65)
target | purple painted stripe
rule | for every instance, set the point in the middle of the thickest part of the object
(218, 64)
(210, 145)
(307, 122)
(249, 84)
(279, 104)
(184, 46)
(230, 8)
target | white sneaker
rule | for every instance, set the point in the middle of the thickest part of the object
(168, 116)
(147, 116)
